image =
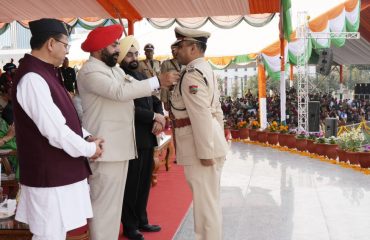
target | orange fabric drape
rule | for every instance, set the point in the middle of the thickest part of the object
(273, 49)
(261, 81)
(264, 6)
(350, 5)
(123, 8)
(221, 61)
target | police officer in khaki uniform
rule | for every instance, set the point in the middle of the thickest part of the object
(167, 66)
(149, 66)
(198, 122)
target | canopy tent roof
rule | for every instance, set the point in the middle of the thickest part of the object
(133, 10)
(357, 51)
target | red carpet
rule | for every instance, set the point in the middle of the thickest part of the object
(169, 201)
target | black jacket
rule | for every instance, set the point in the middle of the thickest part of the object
(145, 108)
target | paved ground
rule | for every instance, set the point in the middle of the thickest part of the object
(273, 195)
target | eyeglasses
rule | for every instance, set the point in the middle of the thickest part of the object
(66, 45)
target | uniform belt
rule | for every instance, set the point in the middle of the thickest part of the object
(182, 122)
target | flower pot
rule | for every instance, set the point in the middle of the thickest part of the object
(311, 146)
(273, 138)
(364, 159)
(301, 144)
(341, 155)
(320, 148)
(253, 135)
(235, 133)
(291, 141)
(353, 157)
(227, 133)
(283, 139)
(331, 151)
(262, 136)
(243, 133)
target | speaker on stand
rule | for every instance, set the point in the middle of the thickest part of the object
(314, 116)
(331, 127)
(325, 61)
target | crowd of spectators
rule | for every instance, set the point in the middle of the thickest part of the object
(347, 111)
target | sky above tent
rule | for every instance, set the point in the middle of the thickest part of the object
(241, 39)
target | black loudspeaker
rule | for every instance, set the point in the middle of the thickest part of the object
(325, 61)
(331, 127)
(314, 116)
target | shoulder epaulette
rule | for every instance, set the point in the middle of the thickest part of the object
(190, 69)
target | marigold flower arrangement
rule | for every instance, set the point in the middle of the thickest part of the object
(255, 124)
(283, 128)
(273, 127)
(242, 124)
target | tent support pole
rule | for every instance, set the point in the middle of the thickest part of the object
(131, 27)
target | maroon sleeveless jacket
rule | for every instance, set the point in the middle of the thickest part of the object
(40, 164)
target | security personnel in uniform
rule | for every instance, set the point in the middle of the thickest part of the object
(150, 67)
(198, 121)
(167, 66)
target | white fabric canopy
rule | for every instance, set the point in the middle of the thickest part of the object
(34, 9)
(353, 52)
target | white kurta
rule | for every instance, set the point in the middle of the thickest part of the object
(66, 207)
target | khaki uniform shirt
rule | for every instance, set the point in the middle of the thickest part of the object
(149, 71)
(198, 101)
(171, 65)
(167, 66)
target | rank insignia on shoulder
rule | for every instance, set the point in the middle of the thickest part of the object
(193, 89)
(190, 68)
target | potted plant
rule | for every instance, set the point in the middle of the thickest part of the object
(253, 131)
(243, 130)
(290, 138)
(301, 141)
(272, 135)
(320, 144)
(331, 148)
(262, 135)
(311, 142)
(234, 130)
(341, 149)
(364, 157)
(283, 129)
(353, 141)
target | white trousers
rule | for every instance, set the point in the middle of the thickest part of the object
(107, 186)
(205, 185)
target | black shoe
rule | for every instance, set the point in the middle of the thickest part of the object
(150, 228)
(133, 235)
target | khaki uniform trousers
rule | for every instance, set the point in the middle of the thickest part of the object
(205, 185)
(107, 186)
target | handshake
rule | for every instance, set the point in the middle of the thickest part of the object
(159, 123)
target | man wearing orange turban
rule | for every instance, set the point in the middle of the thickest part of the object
(107, 95)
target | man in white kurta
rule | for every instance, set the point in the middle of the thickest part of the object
(50, 208)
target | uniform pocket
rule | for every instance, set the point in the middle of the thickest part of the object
(185, 146)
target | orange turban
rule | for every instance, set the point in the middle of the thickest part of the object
(101, 37)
